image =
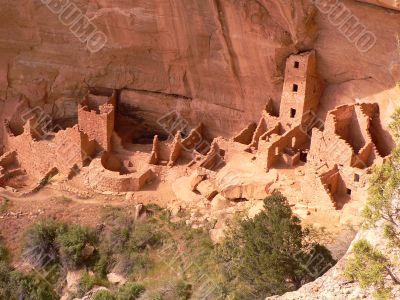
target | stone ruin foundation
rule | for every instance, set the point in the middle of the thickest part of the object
(111, 150)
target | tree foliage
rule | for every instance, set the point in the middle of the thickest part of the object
(369, 267)
(384, 192)
(271, 254)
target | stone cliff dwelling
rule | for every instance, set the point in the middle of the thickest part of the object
(113, 149)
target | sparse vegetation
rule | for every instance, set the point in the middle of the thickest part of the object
(4, 203)
(29, 287)
(87, 282)
(129, 291)
(183, 290)
(39, 245)
(51, 241)
(4, 253)
(72, 244)
(103, 295)
(17, 285)
(273, 249)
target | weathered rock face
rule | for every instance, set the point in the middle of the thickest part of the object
(393, 4)
(217, 61)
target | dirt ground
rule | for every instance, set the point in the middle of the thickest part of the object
(19, 213)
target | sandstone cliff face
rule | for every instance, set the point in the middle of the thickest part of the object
(392, 4)
(217, 61)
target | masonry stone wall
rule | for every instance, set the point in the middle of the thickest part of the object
(97, 119)
(101, 179)
(292, 139)
(301, 90)
(246, 135)
(67, 148)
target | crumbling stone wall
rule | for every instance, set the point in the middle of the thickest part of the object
(347, 139)
(176, 149)
(96, 118)
(67, 148)
(246, 135)
(328, 149)
(271, 151)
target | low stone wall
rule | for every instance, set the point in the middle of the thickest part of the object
(103, 180)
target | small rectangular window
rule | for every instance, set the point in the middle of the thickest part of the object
(356, 177)
(295, 88)
(296, 64)
(349, 192)
(292, 113)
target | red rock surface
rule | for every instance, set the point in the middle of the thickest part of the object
(224, 57)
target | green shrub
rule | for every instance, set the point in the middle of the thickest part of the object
(4, 253)
(5, 291)
(117, 231)
(270, 254)
(40, 247)
(129, 291)
(101, 266)
(48, 242)
(133, 263)
(395, 125)
(87, 282)
(30, 287)
(157, 297)
(103, 295)
(145, 235)
(72, 243)
(369, 267)
(4, 203)
(183, 290)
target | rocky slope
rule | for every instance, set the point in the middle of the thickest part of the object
(217, 61)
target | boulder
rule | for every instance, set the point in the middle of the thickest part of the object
(175, 209)
(217, 235)
(129, 196)
(87, 251)
(115, 278)
(219, 202)
(207, 189)
(243, 182)
(196, 177)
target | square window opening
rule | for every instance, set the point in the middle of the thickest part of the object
(296, 64)
(356, 178)
(295, 88)
(292, 113)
